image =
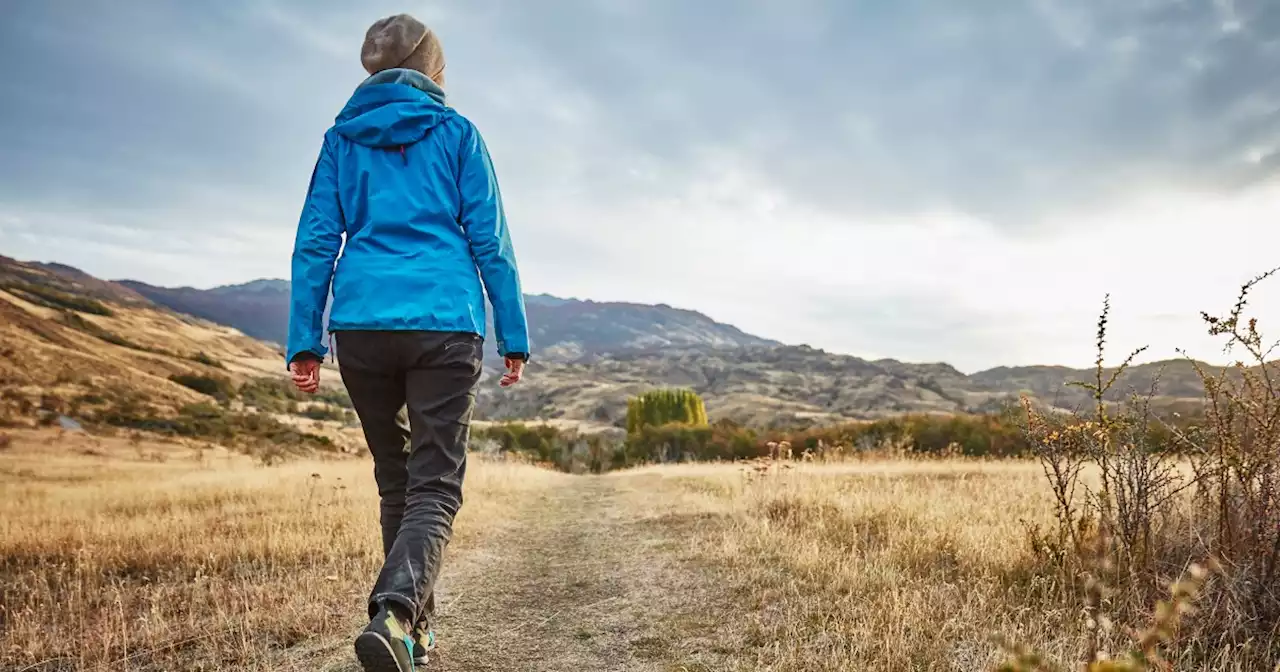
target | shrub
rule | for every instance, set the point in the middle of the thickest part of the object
(912, 435)
(325, 412)
(252, 431)
(51, 403)
(543, 443)
(685, 443)
(275, 395)
(202, 358)
(52, 298)
(1236, 460)
(80, 324)
(1145, 519)
(218, 388)
(564, 450)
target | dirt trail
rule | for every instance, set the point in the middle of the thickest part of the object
(586, 580)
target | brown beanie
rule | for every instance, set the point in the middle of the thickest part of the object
(402, 41)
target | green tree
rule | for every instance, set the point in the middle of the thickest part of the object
(664, 407)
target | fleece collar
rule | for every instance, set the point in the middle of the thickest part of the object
(409, 78)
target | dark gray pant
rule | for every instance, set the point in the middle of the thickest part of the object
(414, 392)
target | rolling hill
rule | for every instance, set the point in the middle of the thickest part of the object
(67, 335)
(81, 352)
(799, 385)
(65, 330)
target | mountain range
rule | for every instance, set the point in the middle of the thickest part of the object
(560, 328)
(590, 356)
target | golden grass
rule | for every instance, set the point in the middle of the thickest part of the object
(125, 562)
(879, 566)
(115, 563)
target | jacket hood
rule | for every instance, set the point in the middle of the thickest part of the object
(393, 108)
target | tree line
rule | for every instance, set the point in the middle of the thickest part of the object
(671, 426)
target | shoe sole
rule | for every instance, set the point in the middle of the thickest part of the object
(375, 654)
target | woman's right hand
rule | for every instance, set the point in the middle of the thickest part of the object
(306, 375)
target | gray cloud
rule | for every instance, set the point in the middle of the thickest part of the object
(1005, 111)
(1001, 111)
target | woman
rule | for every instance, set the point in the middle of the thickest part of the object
(408, 183)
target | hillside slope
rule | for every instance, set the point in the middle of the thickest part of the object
(75, 349)
(63, 332)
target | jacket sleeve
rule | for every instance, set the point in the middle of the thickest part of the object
(315, 251)
(485, 225)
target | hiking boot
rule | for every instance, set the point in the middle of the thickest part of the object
(424, 642)
(386, 645)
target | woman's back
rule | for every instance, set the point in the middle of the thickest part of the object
(409, 183)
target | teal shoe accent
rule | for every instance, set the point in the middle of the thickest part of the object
(424, 643)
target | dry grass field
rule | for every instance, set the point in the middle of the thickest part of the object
(880, 566)
(160, 558)
(124, 557)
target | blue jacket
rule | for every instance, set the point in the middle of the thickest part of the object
(409, 184)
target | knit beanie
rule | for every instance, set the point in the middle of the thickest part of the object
(402, 41)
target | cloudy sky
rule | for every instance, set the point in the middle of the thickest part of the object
(920, 179)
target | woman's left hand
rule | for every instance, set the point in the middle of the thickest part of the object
(515, 371)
